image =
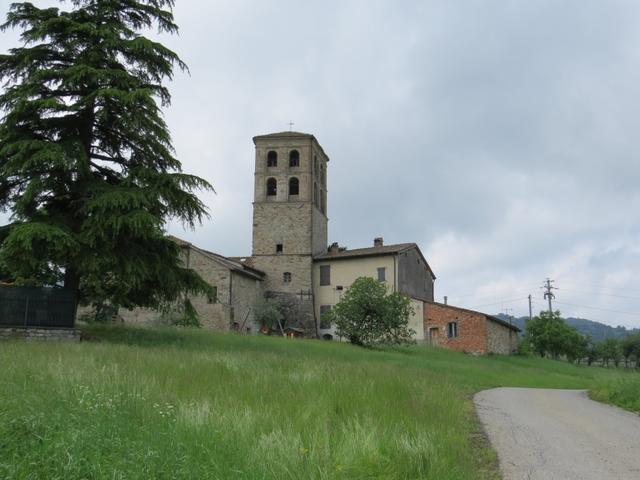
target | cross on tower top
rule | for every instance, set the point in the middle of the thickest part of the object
(291, 124)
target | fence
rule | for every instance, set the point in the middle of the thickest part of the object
(36, 307)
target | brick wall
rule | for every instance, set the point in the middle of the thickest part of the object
(472, 332)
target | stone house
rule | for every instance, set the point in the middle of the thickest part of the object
(236, 288)
(402, 267)
(467, 330)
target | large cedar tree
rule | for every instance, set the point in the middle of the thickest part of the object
(87, 168)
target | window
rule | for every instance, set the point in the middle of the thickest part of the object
(294, 158)
(272, 159)
(325, 320)
(315, 165)
(322, 202)
(279, 248)
(452, 329)
(325, 274)
(382, 274)
(286, 277)
(316, 195)
(294, 186)
(212, 297)
(272, 187)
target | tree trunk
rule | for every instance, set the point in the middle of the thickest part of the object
(72, 283)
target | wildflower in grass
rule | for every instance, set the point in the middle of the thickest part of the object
(165, 410)
(303, 451)
(339, 468)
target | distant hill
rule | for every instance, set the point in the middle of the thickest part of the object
(596, 330)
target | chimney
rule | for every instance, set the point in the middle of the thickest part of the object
(445, 300)
(378, 242)
(334, 247)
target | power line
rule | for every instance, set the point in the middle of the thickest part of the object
(501, 301)
(599, 287)
(462, 297)
(600, 293)
(598, 308)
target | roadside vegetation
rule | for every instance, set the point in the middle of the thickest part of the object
(180, 403)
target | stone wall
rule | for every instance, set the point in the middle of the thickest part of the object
(286, 223)
(320, 240)
(246, 291)
(236, 294)
(300, 267)
(500, 338)
(56, 334)
(472, 330)
(215, 315)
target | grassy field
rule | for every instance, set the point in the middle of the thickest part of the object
(142, 404)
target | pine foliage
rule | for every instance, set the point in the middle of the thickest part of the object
(87, 167)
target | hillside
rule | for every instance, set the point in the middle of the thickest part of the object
(138, 404)
(596, 330)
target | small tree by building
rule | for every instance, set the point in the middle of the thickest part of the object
(268, 314)
(369, 315)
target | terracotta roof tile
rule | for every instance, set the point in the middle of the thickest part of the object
(366, 252)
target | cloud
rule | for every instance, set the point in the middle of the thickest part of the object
(499, 136)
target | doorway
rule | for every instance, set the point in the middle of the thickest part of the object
(434, 336)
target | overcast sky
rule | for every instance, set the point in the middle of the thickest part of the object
(500, 136)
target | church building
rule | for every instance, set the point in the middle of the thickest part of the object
(291, 259)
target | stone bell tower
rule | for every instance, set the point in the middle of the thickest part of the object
(290, 217)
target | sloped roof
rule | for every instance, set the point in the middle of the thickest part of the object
(230, 263)
(366, 252)
(246, 261)
(373, 252)
(290, 135)
(284, 134)
(487, 316)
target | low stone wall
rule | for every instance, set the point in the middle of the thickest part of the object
(63, 334)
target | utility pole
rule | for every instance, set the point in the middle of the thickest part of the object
(548, 294)
(530, 307)
(508, 314)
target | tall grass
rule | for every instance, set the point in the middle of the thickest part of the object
(622, 390)
(136, 403)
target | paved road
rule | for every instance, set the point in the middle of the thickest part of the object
(559, 435)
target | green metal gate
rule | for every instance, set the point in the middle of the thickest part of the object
(36, 307)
